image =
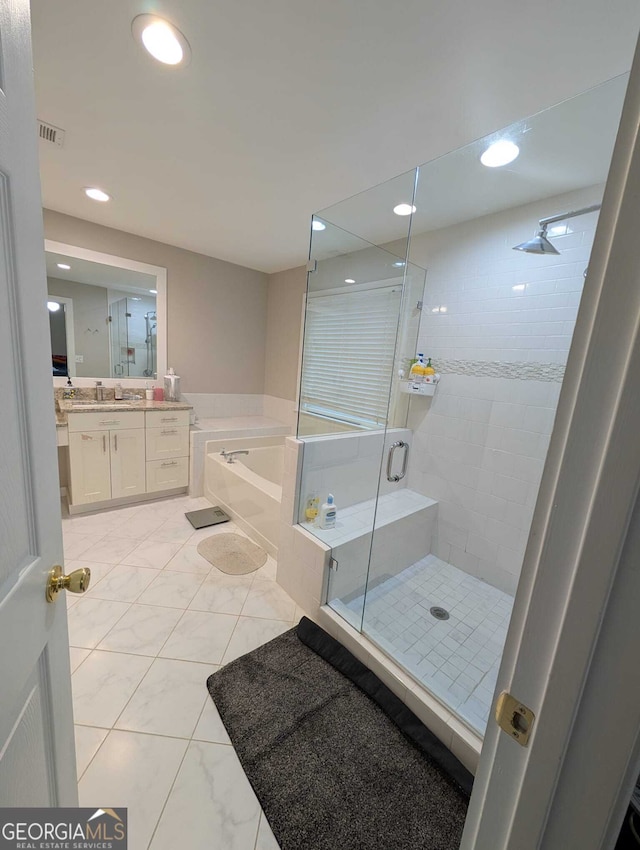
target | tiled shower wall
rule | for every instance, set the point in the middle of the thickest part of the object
(498, 324)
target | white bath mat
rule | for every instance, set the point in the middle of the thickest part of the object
(232, 554)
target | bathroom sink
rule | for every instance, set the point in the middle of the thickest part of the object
(88, 403)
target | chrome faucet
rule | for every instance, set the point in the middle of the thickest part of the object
(230, 455)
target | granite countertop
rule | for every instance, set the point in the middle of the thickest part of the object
(66, 406)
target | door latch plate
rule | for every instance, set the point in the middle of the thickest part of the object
(514, 718)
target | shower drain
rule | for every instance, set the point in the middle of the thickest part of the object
(439, 613)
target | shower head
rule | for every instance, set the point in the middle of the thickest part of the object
(538, 245)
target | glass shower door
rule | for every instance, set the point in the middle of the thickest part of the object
(119, 339)
(355, 300)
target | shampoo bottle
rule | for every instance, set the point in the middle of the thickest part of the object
(417, 370)
(327, 516)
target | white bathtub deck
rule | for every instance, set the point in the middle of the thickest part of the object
(241, 426)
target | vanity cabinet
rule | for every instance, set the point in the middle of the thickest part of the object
(129, 453)
(107, 457)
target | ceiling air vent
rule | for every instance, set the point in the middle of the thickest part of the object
(51, 134)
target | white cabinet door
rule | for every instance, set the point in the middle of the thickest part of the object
(89, 467)
(37, 755)
(128, 472)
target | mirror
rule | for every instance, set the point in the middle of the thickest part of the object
(106, 315)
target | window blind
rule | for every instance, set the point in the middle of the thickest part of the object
(349, 349)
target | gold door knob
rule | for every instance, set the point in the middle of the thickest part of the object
(76, 582)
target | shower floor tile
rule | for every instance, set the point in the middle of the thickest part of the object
(456, 659)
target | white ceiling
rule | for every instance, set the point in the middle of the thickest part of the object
(564, 148)
(291, 105)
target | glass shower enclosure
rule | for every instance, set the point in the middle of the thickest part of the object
(133, 337)
(435, 483)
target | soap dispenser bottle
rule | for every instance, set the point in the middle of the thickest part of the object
(171, 386)
(327, 516)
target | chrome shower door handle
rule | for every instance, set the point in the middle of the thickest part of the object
(399, 444)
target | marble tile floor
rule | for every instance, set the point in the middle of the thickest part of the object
(156, 621)
(456, 659)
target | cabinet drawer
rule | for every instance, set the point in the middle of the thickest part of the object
(167, 442)
(107, 421)
(167, 474)
(167, 418)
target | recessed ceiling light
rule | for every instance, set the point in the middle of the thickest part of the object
(500, 153)
(399, 264)
(96, 194)
(519, 287)
(53, 306)
(404, 209)
(161, 39)
(63, 266)
(349, 280)
(134, 298)
(316, 224)
(153, 291)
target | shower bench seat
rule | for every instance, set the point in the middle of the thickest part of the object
(404, 524)
(357, 520)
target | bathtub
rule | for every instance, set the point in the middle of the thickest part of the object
(225, 429)
(250, 488)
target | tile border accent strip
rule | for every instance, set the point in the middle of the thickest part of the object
(502, 369)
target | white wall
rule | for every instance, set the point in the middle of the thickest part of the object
(285, 297)
(479, 446)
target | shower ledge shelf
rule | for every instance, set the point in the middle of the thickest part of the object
(417, 389)
(357, 520)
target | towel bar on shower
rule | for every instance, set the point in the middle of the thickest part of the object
(399, 444)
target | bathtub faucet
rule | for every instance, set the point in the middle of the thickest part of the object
(230, 455)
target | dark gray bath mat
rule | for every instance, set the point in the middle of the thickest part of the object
(330, 768)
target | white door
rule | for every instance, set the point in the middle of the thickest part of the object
(89, 467)
(573, 648)
(128, 467)
(37, 758)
